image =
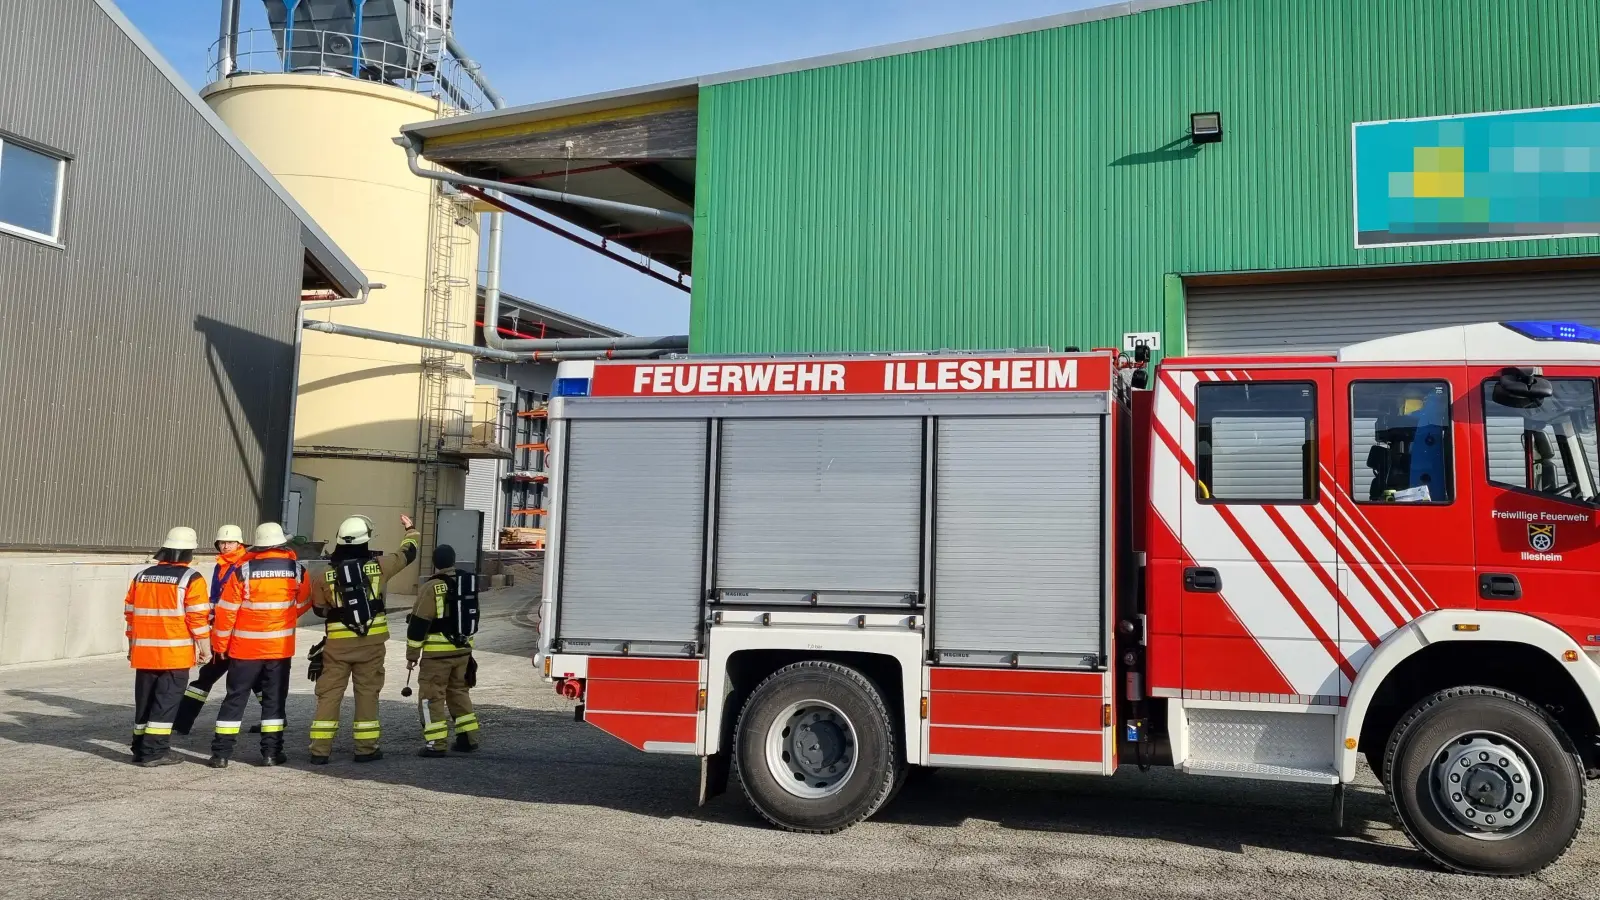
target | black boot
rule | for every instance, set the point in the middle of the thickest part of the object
(165, 759)
(318, 760)
(276, 759)
(463, 745)
(217, 762)
(374, 756)
(431, 752)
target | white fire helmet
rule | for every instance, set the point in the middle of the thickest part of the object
(269, 534)
(230, 533)
(181, 538)
(355, 530)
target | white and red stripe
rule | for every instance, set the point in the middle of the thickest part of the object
(1290, 596)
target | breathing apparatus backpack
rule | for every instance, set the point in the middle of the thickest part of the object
(460, 620)
(355, 591)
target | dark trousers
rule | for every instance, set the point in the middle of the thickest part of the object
(194, 697)
(270, 679)
(155, 699)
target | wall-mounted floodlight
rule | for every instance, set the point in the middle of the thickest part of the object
(1205, 128)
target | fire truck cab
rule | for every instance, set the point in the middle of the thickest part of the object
(816, 572)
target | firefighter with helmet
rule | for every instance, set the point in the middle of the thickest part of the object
(254, 629)
(350, 596)
(231, 552)
(439, 639)
(167, 630)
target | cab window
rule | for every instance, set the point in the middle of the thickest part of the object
(1256, 442)
(1548, 449)
(1400, 442)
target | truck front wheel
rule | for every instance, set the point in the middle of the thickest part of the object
(1484, 782)
(815, 748)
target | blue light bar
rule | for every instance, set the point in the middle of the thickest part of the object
(572, 387)
(1556, 331)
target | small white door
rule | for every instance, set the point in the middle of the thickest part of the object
(291, 514)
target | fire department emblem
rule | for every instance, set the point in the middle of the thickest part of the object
(1541, 537)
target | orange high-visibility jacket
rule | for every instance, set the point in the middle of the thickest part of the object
(260, 604)
(166, 610)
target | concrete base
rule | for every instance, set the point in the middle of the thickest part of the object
(56, 606)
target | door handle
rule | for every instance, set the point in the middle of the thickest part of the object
(1200, 580)
(1499, 587)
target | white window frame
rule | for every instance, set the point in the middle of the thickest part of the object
(54, 237)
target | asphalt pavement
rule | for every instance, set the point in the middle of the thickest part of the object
(554, 808)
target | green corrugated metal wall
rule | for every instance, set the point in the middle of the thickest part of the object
(1037, 189)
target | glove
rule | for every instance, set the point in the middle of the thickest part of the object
(202, 651)
(472, 672)
(314, 670)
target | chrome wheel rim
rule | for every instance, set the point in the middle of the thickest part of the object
(1487, 786)
(811, 749)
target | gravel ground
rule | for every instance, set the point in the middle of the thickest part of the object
(552, 808)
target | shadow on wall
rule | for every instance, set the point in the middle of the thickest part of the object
(254, 378)
(1172, 151)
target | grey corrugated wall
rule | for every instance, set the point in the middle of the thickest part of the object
(147, 365)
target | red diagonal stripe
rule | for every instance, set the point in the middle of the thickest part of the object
(1172, 444)
(1278, 581)
(1171, 381)
(1377, 595)
(1407, 591)
(1327, 580)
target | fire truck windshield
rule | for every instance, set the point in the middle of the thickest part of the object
(1549, 449)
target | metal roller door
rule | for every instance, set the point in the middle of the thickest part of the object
(631, 559)
(1018, 558)
(483, 494)
(831, 506)
(1322, 317)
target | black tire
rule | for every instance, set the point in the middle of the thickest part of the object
(864, 789)
(1430, 729)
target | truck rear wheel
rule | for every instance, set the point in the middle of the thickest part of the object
(815, 748)
(1484, 782)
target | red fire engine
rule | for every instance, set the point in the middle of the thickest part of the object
(816, 572)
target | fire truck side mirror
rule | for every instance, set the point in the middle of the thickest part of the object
(1140, 379)
(1521, 389)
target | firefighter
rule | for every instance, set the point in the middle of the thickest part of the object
(350, 596)
(439, 639)
(254, 630)
(167, 629)
(230, 553)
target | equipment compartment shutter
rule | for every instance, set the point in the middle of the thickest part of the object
(483, 494)
(1019, 526)
(1324, 316)
(631, 560)
(820, 505)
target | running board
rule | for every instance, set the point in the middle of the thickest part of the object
(1260, 771)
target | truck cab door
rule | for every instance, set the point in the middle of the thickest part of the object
(1402, 505)
(1538, 483)
(1261, 618)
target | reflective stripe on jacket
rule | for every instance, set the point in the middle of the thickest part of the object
(259, 607)
(166, 611)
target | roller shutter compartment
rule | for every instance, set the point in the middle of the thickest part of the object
(1019, 532)
(633, 532)
(831, 507)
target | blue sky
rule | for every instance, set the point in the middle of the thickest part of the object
(536, 51)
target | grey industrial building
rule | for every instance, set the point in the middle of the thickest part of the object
(152, 273)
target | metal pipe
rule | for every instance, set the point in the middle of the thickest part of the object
(228, 40)
(552, 354)
(366, 292)
(288, 30)
(473, 69)
(413, 157)
(551, 227)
